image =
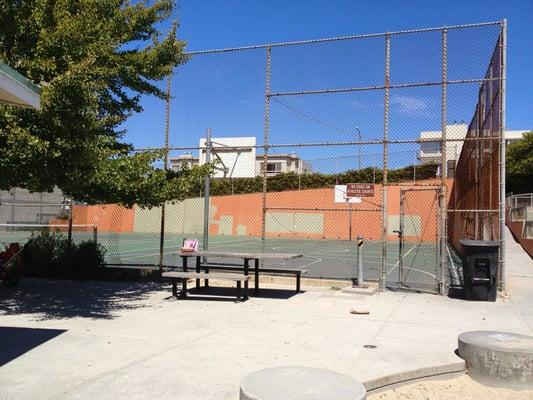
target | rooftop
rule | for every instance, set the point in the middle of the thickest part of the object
(17, 90)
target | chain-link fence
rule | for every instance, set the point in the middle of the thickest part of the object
(395, 137)
(24, 214)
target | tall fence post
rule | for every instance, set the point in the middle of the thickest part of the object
(503, 71)
(443, 242)
(69, 233)
(384, 218)
(13, 198)
(401, 243)
(207, 191)
(349, 220)
(266, 132)
(40, 219)
(165, 166)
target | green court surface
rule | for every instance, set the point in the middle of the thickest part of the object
(334, 259)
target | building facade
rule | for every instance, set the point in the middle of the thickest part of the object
(20, 206)
(430, 147)
(281, 163)
(236, 158)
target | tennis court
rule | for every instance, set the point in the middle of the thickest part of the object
(332, 259)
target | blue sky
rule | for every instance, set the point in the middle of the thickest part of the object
(226, 92)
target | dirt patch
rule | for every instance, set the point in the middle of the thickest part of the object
(462, 387)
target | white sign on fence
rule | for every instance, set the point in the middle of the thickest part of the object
(340, 195)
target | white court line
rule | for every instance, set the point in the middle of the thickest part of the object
(423, 272)
(126, 241)
(322, 256)
(318, 259)
(145, 255)
(232, 242)
(398, 262)
(135, 251)
(150, 245)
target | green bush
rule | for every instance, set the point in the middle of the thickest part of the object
(50, 255)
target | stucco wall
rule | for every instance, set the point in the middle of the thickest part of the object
(308, 213)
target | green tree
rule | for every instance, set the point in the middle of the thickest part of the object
(94, 60)
(519, 165)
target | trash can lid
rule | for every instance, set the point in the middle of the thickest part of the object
(479, 243)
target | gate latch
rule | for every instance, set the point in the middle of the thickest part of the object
(400, 233)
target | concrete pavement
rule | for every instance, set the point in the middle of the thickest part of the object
(519, 273)
(93, 340)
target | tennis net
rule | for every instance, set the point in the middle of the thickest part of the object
(21, 233)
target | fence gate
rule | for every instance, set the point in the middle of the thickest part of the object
(417, 267)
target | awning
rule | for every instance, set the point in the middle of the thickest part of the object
(17, 90)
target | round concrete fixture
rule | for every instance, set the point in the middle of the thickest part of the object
(300, 383)
(498, 358)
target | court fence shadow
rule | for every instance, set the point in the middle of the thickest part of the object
(57, 299)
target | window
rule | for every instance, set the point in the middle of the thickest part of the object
(431, 148)
(272, 167)
(451, 168)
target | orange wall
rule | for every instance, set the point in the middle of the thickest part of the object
(245, 210)
(107, 218)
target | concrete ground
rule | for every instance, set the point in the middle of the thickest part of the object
(94, 340)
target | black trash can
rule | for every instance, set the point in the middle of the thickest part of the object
(480, 266)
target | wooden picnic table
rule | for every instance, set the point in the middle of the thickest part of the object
(245, 256)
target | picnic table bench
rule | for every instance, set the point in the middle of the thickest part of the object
(245, 256)
(185, 276)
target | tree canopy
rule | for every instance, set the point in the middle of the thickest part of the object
(519, 165)
(94, 60)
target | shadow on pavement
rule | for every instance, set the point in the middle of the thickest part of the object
(54, 299)
(456, 293)
(228, 293)
(16, 341)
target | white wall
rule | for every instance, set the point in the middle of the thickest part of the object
(239, 162)
(453, 149)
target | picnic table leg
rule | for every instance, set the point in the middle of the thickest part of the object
(256, 288)
(206, 281)
(298, 276)
(246, 281)
(174, 287)
(183, 293)
(238, 290)
(198, 271)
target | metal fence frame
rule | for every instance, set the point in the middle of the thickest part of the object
(386, 87)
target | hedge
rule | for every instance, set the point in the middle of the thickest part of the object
(292, 181)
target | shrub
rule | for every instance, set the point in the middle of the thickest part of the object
(50, 255)
(315, 180)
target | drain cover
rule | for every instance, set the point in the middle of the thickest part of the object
(370, 346)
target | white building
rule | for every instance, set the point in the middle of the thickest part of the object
(236, 158)
(513, 136)
(430, 145)
(281, 163)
